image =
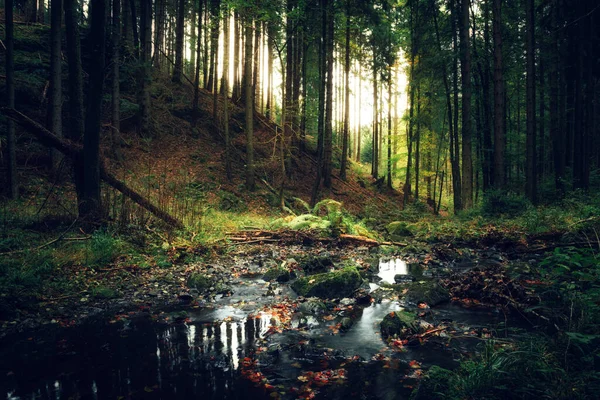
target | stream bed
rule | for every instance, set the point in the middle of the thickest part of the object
(258, 342)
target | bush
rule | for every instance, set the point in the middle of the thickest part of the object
(497, 203)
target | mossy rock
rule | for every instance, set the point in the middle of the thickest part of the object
(435, 385)
(199, 282)
(277, 274)
(312, 307)
(399, 323)
(316, 265)
(429, 292)
(329, 285)
(399, 229)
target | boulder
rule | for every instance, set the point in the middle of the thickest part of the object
(336, 284)
(316, 265)
(277, 274)
(200, 282)
(398, 323)
(312, 307)
(399, 229)
(429, 292)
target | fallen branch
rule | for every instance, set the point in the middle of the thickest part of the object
(73, 151)
(42, 246)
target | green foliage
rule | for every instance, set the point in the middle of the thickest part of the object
(103, 249)
(497, 203)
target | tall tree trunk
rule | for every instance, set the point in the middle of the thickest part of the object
(256, 68)
(76, 110)
(134, 27)
(13, 186)
(454, 141)
(193, 38)
(375, 151)
(226, 93)
(145, 70)
(215, 67)
(236, 57)
(159, 33)
(195, 102)
(42, 12)
(418, 145)
(249, 107)
(179, 37)
(328, 132)
(499, 129)
(91, 206)
(115, 95)
(347, 96)
(270, 40)
(389, 134)
(55, 102)
(465, 63)
(531, 160)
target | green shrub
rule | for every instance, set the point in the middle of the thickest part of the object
(497, 203)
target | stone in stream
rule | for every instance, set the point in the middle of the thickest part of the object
(316, 265)
(278, 274)
(312, 307)
(429, 292)
(403, 324)
(404, 278)
(330, 285)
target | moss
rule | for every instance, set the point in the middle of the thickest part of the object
(399, 323)
(277, 274)
(399, 228)
(316, 265)
(429, 292)
(199, 281)
(334, 284)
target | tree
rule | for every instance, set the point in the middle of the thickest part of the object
(179, 33)
(531, 169)
(55, 101)
(328, 129)
(226, 93)
(115, 95)
(13, 188)
(90, 205)
(343, 164)
(499, 134)
(465, 62)
(145, 78)
(249, 106)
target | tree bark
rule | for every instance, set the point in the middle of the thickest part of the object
(345, 139)
(145, 70)
(115, 96)
(90, 205)
(250, 183)
(55, 101)
(465, 61)
(327, 138)
(12, 180)
(499, 133)
(179, 37)
(531, 160)
(226, 94)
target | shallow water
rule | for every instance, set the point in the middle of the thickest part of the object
(206, 356)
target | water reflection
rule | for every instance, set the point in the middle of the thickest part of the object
(179, 361)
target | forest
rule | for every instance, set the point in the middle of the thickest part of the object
(233, 199)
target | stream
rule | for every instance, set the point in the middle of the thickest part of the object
(256, 343)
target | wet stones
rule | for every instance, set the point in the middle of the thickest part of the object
(316, 265)
(403, 325)
(428, 292)
(330, 285)
(278, 274)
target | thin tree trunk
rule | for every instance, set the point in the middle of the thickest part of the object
(250, 185)
(226, 94)
(145, 71)
(467, 161)
(454, 140)
(418, 145)
(90, 205)
(499, 129)
(531, 161)
(389, 135)
(115, 96)
(55, 102)
(197, 72)
(179, 37)
(327, 139)
(347, 96)
(12, 180)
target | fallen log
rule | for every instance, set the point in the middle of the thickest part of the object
(73, 151)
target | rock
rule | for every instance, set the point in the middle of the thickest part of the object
(336, 284)
(316, 265)
(362, 297)
(346, 323)
(399, 323)
(429, 292)
(399, 229)
(277, 274)
(200, 282)
(313, 307)
(403, 278)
